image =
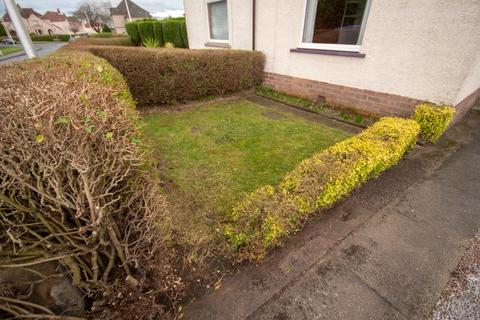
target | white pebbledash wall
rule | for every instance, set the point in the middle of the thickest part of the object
(427, 50)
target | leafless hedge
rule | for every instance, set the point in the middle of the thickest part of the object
(75, 182)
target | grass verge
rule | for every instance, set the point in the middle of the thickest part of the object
(319, 108)
(9, 50)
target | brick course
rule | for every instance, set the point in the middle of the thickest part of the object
(360, 100)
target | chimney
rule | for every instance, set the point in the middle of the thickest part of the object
(58, 11)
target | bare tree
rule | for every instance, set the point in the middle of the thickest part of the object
(95, 14)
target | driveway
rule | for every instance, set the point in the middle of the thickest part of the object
(42, 48)
(386, 252)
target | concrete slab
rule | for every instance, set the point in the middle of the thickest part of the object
(328, 291)
(447, 211)
(402, 261)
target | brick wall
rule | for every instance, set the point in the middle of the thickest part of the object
(362, 101)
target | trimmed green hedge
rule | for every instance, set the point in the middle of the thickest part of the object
(53, 37)
(183, 31)
(166, 76)
(158, 32)
(172, 33)
(269, 214)
(433, 120)
(163, 31)
(132, 31)
(145, 29)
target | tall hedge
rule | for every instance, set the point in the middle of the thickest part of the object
(183, 31)
(3, 32)
(172, 33)
(145, 29)
(132, 31)
(170, 76)
(158, 32)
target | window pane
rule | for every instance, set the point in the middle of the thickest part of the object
(334, 21)
(218, 17)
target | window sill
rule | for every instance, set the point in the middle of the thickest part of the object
(217, 45)
(330, 52)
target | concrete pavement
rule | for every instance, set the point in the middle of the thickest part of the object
(384, 253)
(42, 48)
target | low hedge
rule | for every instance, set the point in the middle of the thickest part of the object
(269, 214)
(53, 37)
(77, 184)
(168, 76)
(433, 120)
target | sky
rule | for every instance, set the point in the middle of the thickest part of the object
(158, 8)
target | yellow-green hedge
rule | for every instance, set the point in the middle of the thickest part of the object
(433, 120)
(269, 214)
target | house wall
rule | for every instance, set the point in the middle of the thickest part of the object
(240, 28)
(422, 50)
(62, 27)
(119, 23)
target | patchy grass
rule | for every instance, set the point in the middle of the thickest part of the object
(10, 50)
(213, 155)
(320, 108)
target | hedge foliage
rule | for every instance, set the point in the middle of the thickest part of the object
(77, 184)
(168, 30)
(158, 32)
(183, 31)
(145, 29)
(172, 33)
(133, 33)
(53, 37)
(433, 120)
(265, 217)
(167, 76)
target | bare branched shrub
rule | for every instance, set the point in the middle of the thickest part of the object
(75, 182)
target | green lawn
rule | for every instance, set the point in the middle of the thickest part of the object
(9, 50)
(212, 155)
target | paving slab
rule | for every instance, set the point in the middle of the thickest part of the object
(328, 291)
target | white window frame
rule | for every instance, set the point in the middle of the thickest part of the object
(208, 23)
(334, 46)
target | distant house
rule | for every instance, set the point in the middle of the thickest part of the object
(379, 57)
(59, 20)
(52, 22)
(120, 14)
(33, 21)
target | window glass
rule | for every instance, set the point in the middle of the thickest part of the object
(334, 21)
(218, 19)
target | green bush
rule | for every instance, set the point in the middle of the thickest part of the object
(63, 37)
(106, 29)
(166, 76)
(3, 32)
(269, 214)
(132, 31)
(172, 33)
(183, 31)
(433, 120)
(158, 32)
(145, 29)
(53, 37)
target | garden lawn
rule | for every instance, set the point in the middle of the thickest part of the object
(10, 50)
(212, 155)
